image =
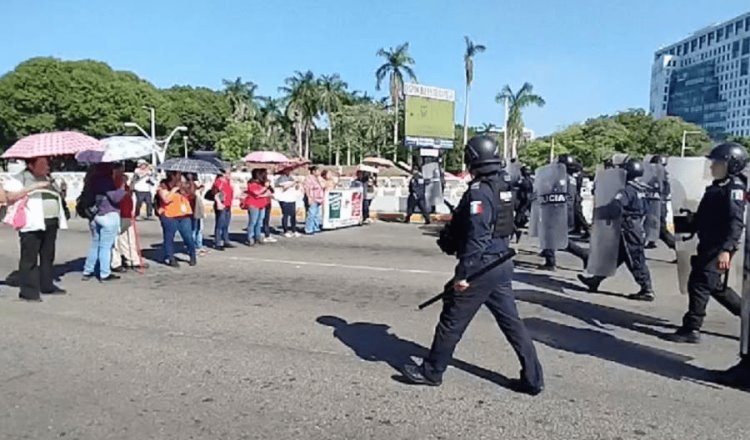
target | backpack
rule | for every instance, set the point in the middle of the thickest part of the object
(86, 205)
(210, 195)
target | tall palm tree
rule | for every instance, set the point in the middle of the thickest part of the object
(270, 117)
(241, 97)
(398, 63)
(302, 107)
(332, 93)
(471, 50)
(517, 102)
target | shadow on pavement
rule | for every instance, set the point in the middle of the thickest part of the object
(608, 347)
(374, 343)
(547, 281)
(598, 315)
(58, 271)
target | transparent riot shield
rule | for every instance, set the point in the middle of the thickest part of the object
(688, 177)
(551, 191)
(606, 223)
(651, 183)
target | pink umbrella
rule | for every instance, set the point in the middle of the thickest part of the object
(58, 143)
(265, 157)
(291, 166)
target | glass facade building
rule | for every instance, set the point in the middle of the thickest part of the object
(705, 79)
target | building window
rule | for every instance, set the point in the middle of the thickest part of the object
(738, 26)
(735, 49)
(719, 35)
(744, 67)
(710, 38)
(746, 46)
(747, 24)
(702, 41)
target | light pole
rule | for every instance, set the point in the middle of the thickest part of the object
(160, 151)
(505, 129)
(685, 133)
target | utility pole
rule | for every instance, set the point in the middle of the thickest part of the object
(505, 129)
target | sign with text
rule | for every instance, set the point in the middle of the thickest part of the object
(342, 208)
(429, 116)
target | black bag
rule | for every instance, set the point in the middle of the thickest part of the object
(86, 205)
(210, 195)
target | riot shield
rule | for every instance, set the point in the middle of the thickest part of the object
(606, 223)
(534, 217)
(745, 314)
(551, 191)
(688, 177)
(514, 171)
(618, 159)
(652, 188)
(572, 192)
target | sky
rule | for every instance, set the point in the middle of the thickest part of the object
(584, 58)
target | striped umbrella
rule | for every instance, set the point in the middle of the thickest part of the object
(58, 143)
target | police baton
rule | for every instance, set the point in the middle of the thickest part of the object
(449, 286)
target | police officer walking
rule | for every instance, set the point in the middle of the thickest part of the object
(718, 223)
(574, 206)
(666, 194)
(524, 189)
(631, 204)
(481, 225)
(417, 198)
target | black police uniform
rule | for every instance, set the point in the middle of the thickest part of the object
(718, 222)
(666, 195)
(482, 224)
(550, 260)
(417, 198)
(580, 224)
(524, 188)
(631, 201)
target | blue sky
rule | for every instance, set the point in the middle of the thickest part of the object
(584, 58)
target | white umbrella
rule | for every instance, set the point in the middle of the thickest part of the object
(367, 169)
(119, 148)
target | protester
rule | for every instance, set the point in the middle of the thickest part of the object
(257, 198)
(371, 185)
(199, 212)
(287, 193)
(223, 194)
(125, 254)
(142, 183)
(176, 216)
(267, 213)
(315, 195)
(328, 180)
(105, 196)
(43, 209)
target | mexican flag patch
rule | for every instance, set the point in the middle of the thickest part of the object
(738, 194)
(476, 208)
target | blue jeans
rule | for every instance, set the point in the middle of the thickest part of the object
(170, 226)
(312, 223)
(104, 230)
(221, 231)
(197, 226)
(254, 224)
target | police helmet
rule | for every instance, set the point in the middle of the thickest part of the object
(733, 154)
(633, 169)
(570, 162)
(659, 159)
(481, 150)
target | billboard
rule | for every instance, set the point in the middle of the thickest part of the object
(429, 116)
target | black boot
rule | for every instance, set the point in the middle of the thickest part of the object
(193, 261)
(416, 375)
(684, 336)
(646, 294)
(592, 283)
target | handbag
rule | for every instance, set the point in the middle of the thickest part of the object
(16, 214)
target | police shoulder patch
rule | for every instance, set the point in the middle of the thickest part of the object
(476, 185)
(738, 194)
(475, 208)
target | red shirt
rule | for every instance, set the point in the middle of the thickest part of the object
(253, 198)
(225, 187)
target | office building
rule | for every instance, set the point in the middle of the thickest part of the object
(705, 79)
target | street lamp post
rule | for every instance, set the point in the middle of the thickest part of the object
(685, 134)
(161, 151)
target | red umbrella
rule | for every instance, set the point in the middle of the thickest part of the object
(58, 143)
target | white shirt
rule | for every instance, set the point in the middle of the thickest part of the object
(288, 195)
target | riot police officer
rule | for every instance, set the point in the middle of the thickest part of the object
(666, 194)
(572, 167)
(718, 222)
(524, 190)
(481, 226)
(417, 198)
(630, 202)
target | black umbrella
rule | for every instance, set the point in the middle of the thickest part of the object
(185, 165)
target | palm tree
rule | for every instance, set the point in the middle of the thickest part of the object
(302, 107)
(241, 97)
(270, 117)
(471, 50)
(486, 128)
(397, 63)
(517, 101)
(332, 92)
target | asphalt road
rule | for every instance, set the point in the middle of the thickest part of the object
(303, 338)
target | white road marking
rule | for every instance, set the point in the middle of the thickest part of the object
(341, 266)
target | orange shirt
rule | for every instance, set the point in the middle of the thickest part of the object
(175, 205)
